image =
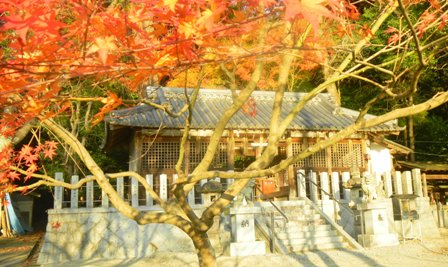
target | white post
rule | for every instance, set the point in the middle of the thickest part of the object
(417, 182)
(120, 187)
(313, 185)
(74, 193)
(335, 185)
(150, 181)
(89, 194)
(324, 186)
(163, 193)
(191, 197)
(58, 191)
(104, 199)
(388, 184)
(301, 183)
(202, 195)
(134, 192)
(346, 191)
(406, 180)
(398, 187)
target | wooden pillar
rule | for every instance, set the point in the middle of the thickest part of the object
(425, 185)
(364, 161)
(291, 176)
(135, 152)
(245, 144)
(150, 181)
(231, 151)
(328, 159)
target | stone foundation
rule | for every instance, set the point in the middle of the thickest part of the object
(105, 233)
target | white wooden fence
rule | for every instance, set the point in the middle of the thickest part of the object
(128, 188)
(314, 185)
(309, 184)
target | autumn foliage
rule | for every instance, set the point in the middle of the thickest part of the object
(47, 43)
(246, 45)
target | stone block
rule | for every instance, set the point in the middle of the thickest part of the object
(379, 240)
(247, 248)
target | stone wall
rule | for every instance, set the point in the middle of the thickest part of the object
(104, 233)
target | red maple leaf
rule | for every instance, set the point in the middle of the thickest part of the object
(30, 159)
(49, 153)
(310, 10)
(51, 145)
(26, 150)
(56, 225)
(13, 176)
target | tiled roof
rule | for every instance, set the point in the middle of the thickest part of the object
(318, 114)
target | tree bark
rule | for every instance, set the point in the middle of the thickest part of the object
(204, 249)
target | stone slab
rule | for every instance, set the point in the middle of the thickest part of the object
(247, 248)
(379, 240)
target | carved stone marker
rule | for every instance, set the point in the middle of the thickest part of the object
(243, 232)
(376, 225)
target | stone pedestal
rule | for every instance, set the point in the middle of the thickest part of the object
(376, 225)
(243, 232)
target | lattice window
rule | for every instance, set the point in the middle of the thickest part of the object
(344, 157)
(318, 159)
(296, 149)
(340, 155)
(197, 152)
(160, 155)
(357, 158)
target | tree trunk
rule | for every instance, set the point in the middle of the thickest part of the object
(204, 249)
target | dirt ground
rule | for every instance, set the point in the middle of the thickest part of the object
(414, 253)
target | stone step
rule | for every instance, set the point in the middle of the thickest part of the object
(297, 228)
(311, 240)
(305, 234)
(326, 246)
(296, 214)
(305, 217)
(289, 210)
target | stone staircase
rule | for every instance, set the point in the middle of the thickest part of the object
(305, 229)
